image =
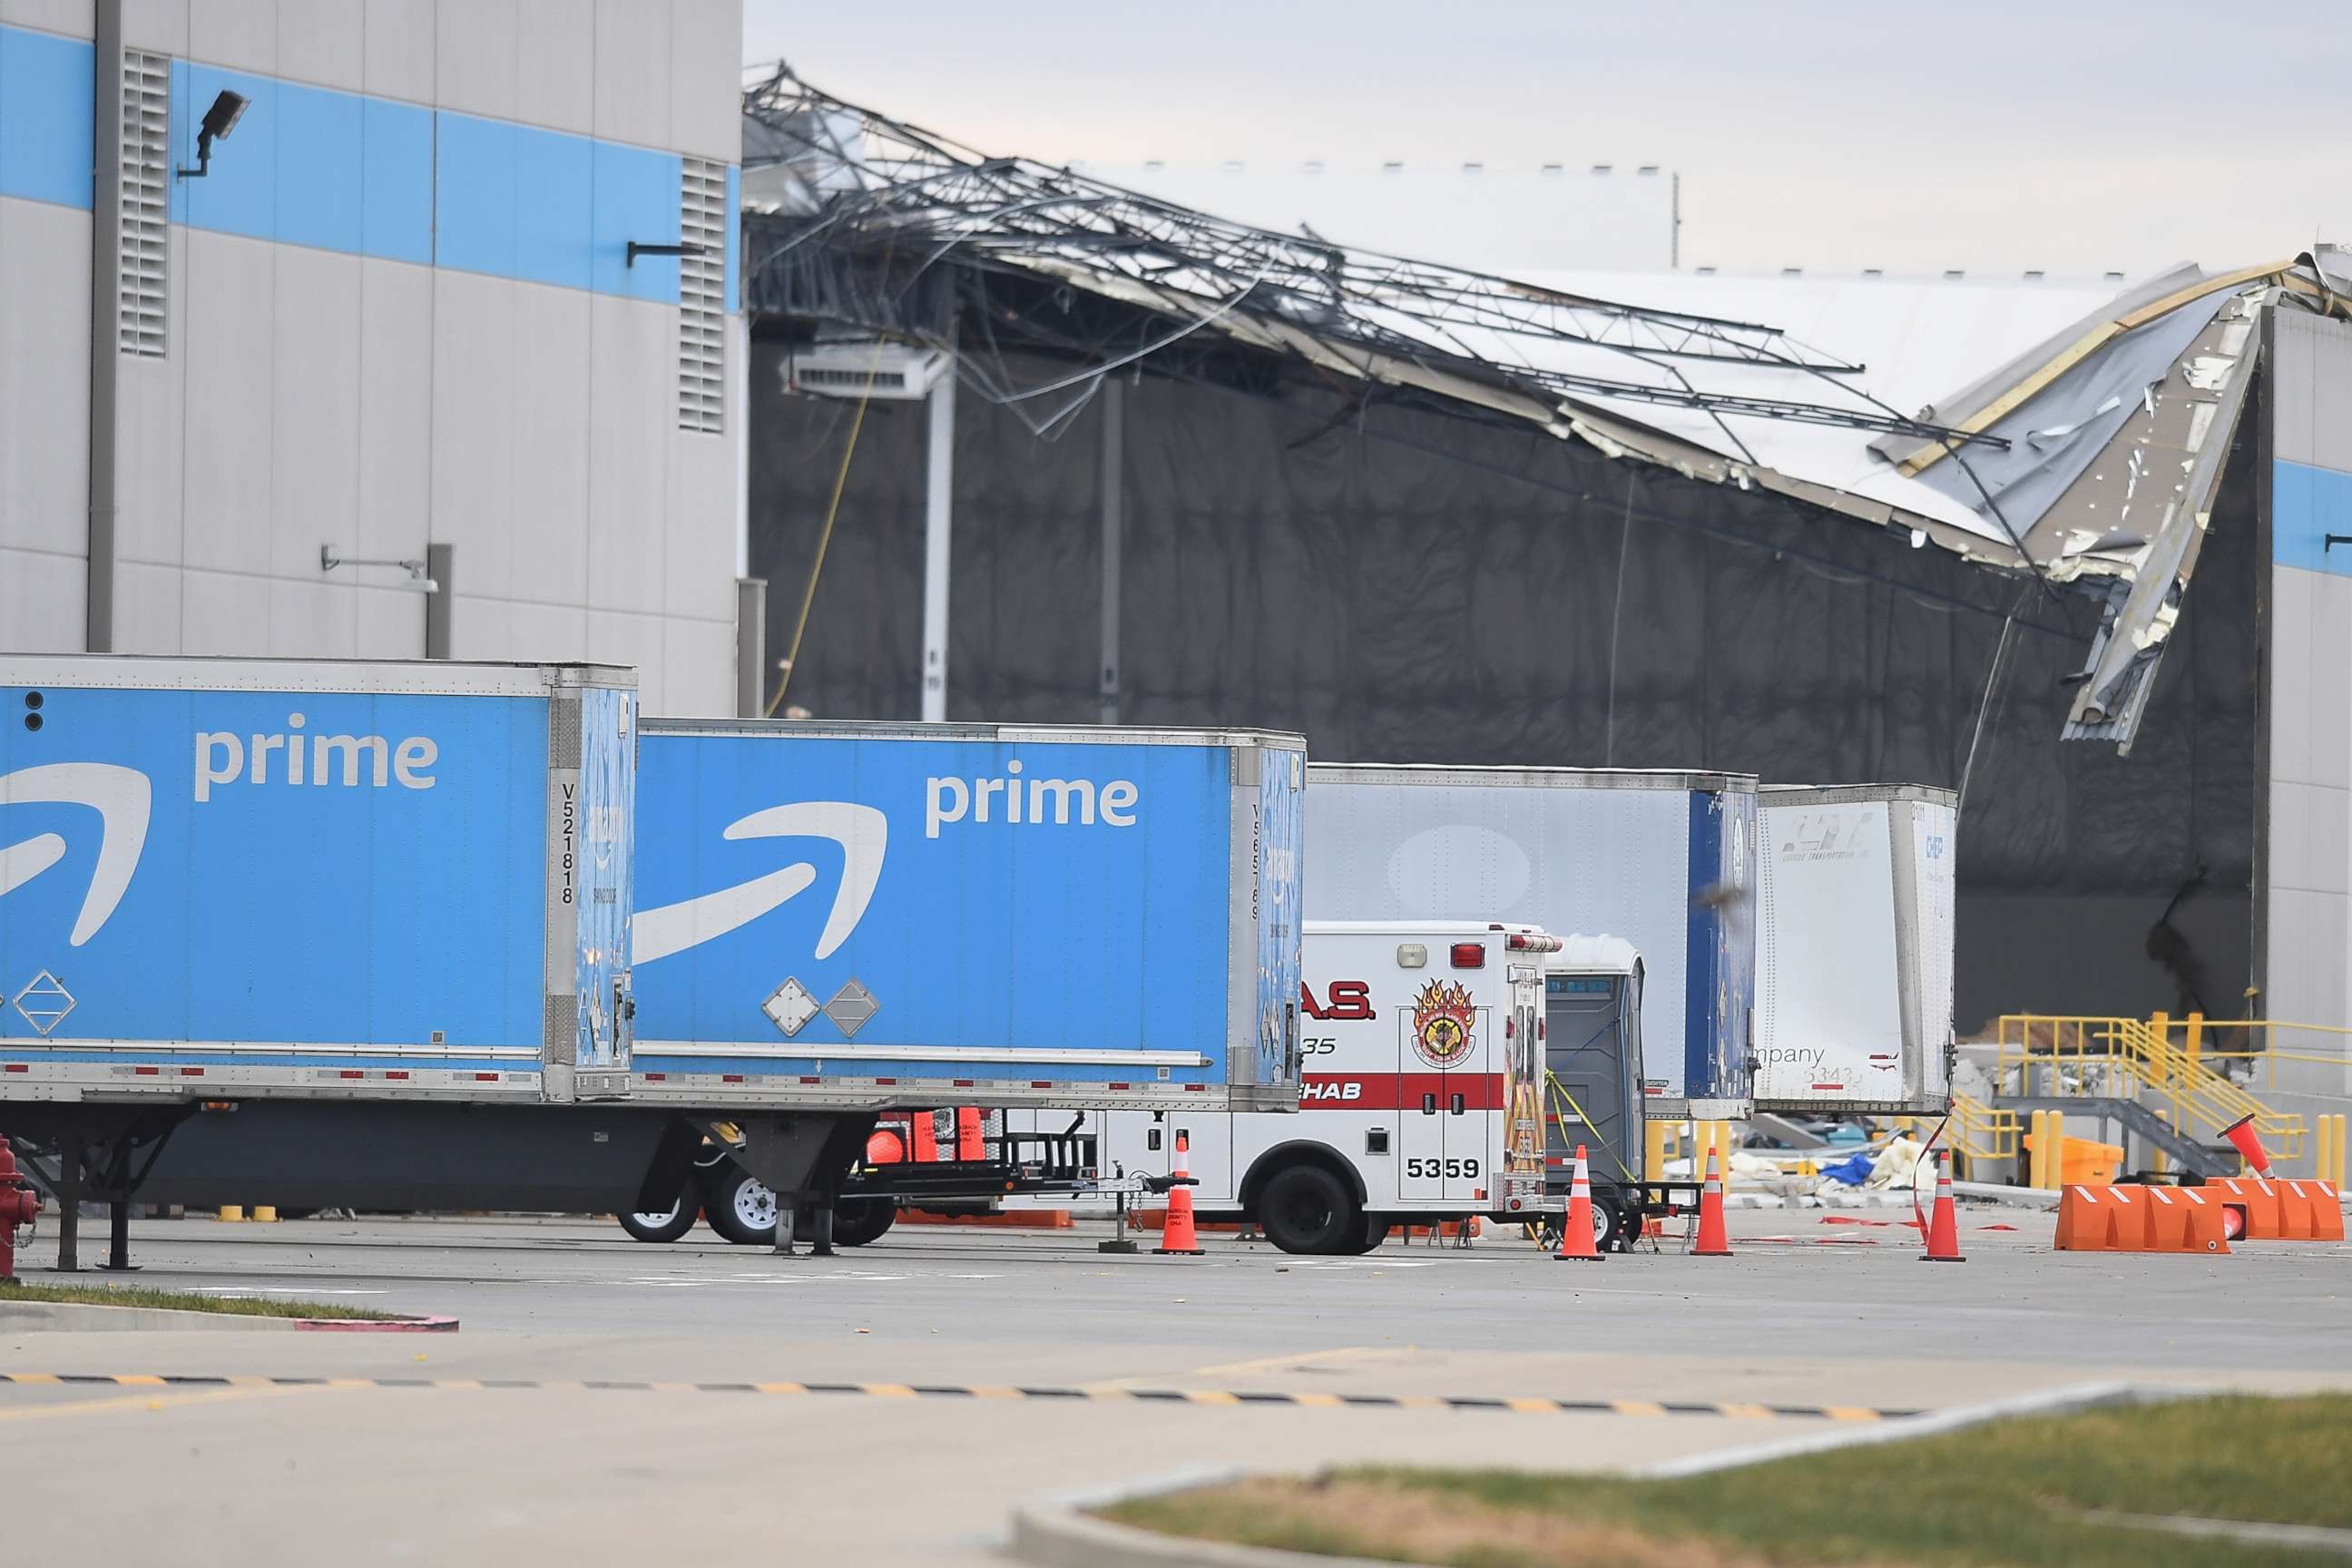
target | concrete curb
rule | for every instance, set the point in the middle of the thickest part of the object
(83, 1317)
(1058, 1531)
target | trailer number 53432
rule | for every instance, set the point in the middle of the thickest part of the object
(1436, 1169)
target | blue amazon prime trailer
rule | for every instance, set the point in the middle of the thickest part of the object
(317, 880)
(1664, 859)
(339, 885)
(875, 915)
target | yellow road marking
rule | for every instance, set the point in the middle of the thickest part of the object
(1532, 1406)
(1850, 1413)
(1637, 1407)
(1320, 1401)
(780, 1388)
(143, 1402)
(1746, 1412)
(457, 1382)
(32, 1377)
(888, 1390)
(1210, 1396)
(996, 1391)
(140, 1379)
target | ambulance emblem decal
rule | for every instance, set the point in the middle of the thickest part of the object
(1442, 1018)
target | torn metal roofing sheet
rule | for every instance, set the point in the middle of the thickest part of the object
(2089, 450)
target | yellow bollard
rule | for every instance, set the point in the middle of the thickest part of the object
(2194, 1029)
(1653, 1150)
(232, 1213)
(2042, 1163)
(2158, 1161)
(265, 1214)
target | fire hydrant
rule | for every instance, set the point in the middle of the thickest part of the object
(19, 1203)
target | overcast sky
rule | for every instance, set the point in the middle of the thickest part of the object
(1994, 136)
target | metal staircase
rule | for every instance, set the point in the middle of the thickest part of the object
(2130, 1071)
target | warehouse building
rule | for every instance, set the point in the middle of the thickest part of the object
(386, 328)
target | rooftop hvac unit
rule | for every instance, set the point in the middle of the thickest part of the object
(893, 371)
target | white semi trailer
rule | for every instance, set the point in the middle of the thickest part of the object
(1853, 949)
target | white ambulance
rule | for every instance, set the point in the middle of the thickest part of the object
(1421, 1099)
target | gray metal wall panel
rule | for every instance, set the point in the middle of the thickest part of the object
(322, 41)
(44, 376)
(2312, 374)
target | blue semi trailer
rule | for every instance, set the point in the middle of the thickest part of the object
(320, 932)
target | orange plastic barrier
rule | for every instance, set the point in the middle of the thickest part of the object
(2258, 1198)
(2183, 1219)
(2140, 1220)
(2288, 1209)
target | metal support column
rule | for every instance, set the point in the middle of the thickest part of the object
(939, 491)
(105, 301)
(1113, 479)
(751, 646)
(69, 1203)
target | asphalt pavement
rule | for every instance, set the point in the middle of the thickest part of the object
(607, 1399)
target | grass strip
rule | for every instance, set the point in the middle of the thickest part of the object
(181, 1302)
(2011, 1494)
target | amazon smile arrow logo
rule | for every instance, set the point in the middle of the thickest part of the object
(864, 835)
(120, 796)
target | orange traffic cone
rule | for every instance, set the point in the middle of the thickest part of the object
(1575, 1233)
(1714, 1241)
(2249, 1144)
(1177, 1235)
(1944, 1228)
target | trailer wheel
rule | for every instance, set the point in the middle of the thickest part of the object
(743, 1209)
(665, 1225)
(1608, 1221)
(1307, 1209)
(856, 1221)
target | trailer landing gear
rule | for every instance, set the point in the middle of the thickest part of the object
(96, 1152)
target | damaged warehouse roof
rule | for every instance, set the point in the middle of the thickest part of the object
(2092, 457)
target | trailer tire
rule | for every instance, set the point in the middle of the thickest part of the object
(668, 1225)
(856, 1221)
(1307, 1209)
(1608, 1222)
(739, 1200)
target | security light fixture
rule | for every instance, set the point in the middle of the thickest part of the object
(218, 121)
(416, 581)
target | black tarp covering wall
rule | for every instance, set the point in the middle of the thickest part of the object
(1402, 584)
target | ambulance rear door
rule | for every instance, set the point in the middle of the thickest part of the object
(1446, 1078)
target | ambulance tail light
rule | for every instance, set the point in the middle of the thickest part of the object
(1522, 942)
(1469, 955)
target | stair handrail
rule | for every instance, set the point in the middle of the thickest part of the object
(2131, 1058)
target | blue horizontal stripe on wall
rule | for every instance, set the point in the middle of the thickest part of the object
(45, 117)
(546, 206)
(306, 165)
(368, 176)
(2307, 504)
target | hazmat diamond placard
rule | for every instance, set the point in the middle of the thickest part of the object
(851, 1007)
(791, 1008)
(45, 1003)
